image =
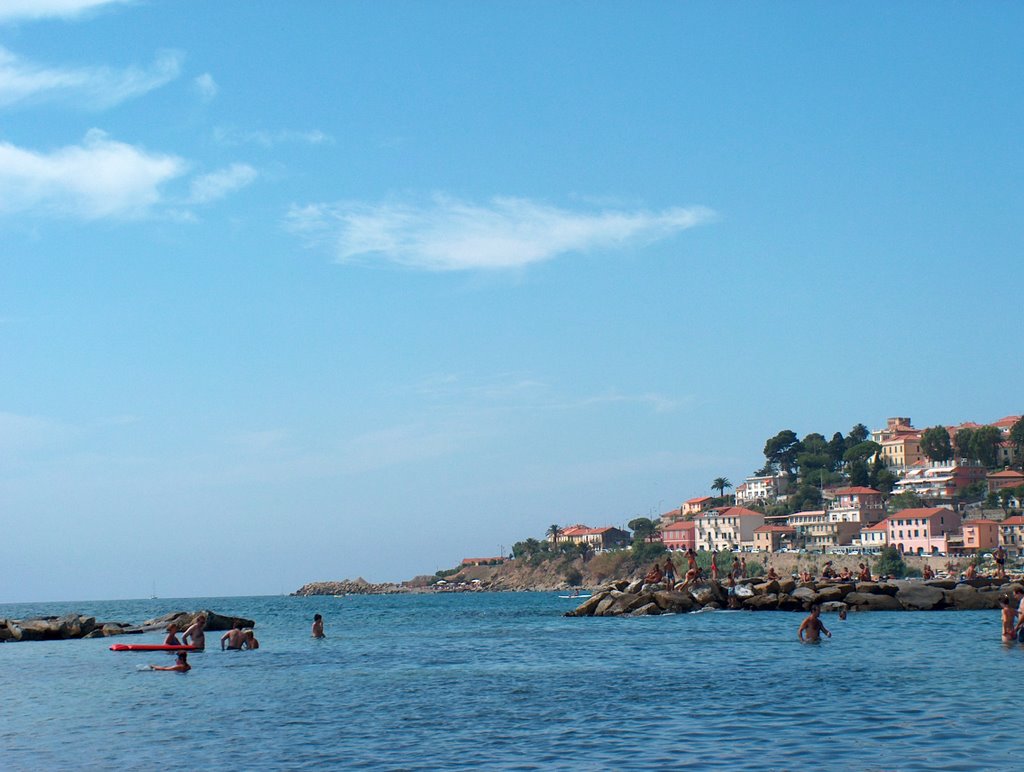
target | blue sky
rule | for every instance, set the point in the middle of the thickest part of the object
(307, 291)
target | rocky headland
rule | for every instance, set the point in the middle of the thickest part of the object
(635, 598)
(68, 626)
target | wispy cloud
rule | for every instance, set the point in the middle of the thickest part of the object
(216, 185)
(20, 433)
(453, 235)
(40, 9)
(231, 136)
(206, 87)
(98, 178)
(91, 87)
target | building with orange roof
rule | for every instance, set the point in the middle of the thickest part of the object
(726, 528)
(763, 489)
(939, 482)
(603, 538)
(923, 530)
(980, 534)
(857, 504)
(1008, 478)
(874, 538)
(680, 535)
(772, 538)
(1011, 534)
(699, 504)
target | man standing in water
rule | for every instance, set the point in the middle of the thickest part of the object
(234, 638)
(194, 634)
(318, 626)
(813, 627)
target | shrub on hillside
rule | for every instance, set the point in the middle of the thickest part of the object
(890, 563)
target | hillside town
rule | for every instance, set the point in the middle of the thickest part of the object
(940, 491)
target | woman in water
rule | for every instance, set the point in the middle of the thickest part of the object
(180, 665)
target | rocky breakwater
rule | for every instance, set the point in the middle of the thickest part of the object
(350, 587)
(635, 598)
(78, 626)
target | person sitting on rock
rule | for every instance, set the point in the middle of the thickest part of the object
(865, 573)
(172, 635)
(805, 576)
(654, 575)
(971, 572)
(771, 575)
(828, 572)
(845, 575)
(180, 664)
(927, 572)
(195, 633)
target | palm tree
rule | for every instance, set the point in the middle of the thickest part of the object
(554, 532)
(720, 484)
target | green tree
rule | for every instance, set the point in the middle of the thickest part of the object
(720, 484)
(858, 472)
(862, 451)
(985, 445)
(782, 449)
(642, 527)
(890, 563)
(555, 532)
(963, 443)
(907, 500)
(935, 443)
(1017, 437)
(857, 435)
(836, 449)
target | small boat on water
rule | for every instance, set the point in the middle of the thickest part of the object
(577, 595)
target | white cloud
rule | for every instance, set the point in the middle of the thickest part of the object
(98, 178)
(206, 86)
(216, 185)
(230, 136)
(92, 87)
(38, 9)
(452, 235)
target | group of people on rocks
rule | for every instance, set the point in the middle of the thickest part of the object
(667, 573)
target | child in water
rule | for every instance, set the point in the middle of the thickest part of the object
(318, 626)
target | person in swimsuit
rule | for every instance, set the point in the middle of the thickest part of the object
(771, 576)
(999, 555)
(318, 626)
(743, 567)
(1008, 615)
(927, 573)
(1018, 596)
(669, 573)
(249, 639)
(865, 573)
(971, 571)
(812, 627)
(234, 637)
(172, 636)
(714, 565)
(654, 575)
(195, 633)
(180, 665)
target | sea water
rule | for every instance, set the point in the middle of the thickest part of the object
(504, 681)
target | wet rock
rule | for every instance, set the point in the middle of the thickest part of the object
(967, 598)
(762, 602)
(805, 595)
(606, 603)
(587, 608)
(744, 591)
(709, 592)
(634, 586)
(786, 585)
(833, 606)
(648, 609)
(920, 597)
(870, 588)
(865, 601)
(214, 621)
(678, 602)
(790, 603)
(833, 593)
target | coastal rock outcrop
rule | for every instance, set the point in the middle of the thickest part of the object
(70, 626)
(350, 587)
(633, 598)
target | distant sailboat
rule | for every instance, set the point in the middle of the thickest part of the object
(153, 596)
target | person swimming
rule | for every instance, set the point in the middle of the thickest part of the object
(180, 665)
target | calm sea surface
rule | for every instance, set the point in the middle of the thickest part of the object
(503, 681)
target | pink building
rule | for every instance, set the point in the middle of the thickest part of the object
(679, 535)
(980, 535)
(922, 531)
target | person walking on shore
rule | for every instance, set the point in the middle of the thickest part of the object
(318, 626)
